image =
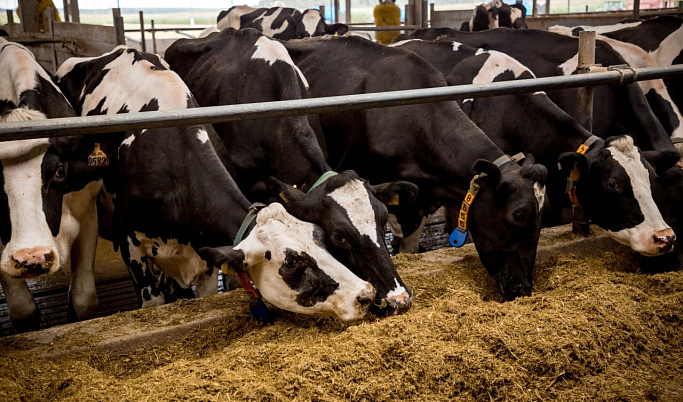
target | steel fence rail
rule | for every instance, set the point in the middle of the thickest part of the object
(218, 114)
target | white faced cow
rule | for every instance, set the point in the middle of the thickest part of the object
(233, 67)
(175, 196)
(45, 216)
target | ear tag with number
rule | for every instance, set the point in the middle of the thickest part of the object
(98, 157)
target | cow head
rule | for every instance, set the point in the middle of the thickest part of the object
(353, 216)
(614, 189)
(287, 261)
(505, 222)
(313, 24)
(35, 228)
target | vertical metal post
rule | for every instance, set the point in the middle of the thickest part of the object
(585, 94)
(142, 32)
(119, 34)
(547, 7)
(336, 11)
(636, 9)
(410, 12)
(10, 16)
(154, 39)
(424, 12)
(584, 113)
(534, 9)
(347, 14)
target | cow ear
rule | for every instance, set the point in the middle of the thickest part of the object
(285, 193)
(535, 172)
(395, 193)
(661, 160)
(223, 257)
(568, 160)
(338, 29)
(491, 172)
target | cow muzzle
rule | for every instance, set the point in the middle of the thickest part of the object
(32, 262)
(664, 240)
(365, 299)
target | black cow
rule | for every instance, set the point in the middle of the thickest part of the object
(614, 183)
(433, 145)
(44, 219)
(174, 197)
(279, 22)
(234, 67)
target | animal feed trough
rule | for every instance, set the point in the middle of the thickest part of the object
(595, 328)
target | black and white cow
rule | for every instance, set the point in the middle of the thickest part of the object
(234, 67)
(661, 37)
(614, 188)
(279, 22)
(618, 109)
(496, 14)
(655, 91)
(433, 145)
(44, 218)
(174, 196)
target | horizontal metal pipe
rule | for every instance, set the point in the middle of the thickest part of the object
(219, 114)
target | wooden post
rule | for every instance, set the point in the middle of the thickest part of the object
(30, 20)
(322, 12)
(534, 9)
(50, 15)
(547, 6)
(584, 112)
(154, 39)
(142, 32)
(66, 11)
(417, 12)
(120, 37)
(73, 9)
(336, 11)
(410, 12)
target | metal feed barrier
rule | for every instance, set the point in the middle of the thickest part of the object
(59, 127)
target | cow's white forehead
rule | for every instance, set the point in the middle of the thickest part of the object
(272, 51)
(355, 200)
(310, 19)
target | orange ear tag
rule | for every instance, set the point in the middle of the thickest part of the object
(98, 157)
(393, 200)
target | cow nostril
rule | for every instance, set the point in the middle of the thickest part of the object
(34, 260)
(366, 297)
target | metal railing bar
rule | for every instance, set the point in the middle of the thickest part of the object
(217, 114)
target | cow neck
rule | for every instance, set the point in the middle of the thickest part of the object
(575, 175)
(459, 235)
(256, 305)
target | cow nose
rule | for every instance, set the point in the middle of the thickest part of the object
(398, 304)
(366, 298)
(33, 261)
(664, 240)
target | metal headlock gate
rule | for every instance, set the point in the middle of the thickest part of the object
(59, 127)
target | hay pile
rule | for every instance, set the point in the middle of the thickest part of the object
(595, 328)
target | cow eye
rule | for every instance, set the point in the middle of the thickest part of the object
(519, 217)
(612, 185)
(290, 262)
(60, 173)
(339, 239)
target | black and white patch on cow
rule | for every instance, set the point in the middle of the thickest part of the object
(42, 213)
(272, 52)
(286, 259)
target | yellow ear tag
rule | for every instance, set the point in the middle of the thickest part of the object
(225, 269)
(293, 185)
(98, 157)
(393, 200)
(575, 174)
(282, 195)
